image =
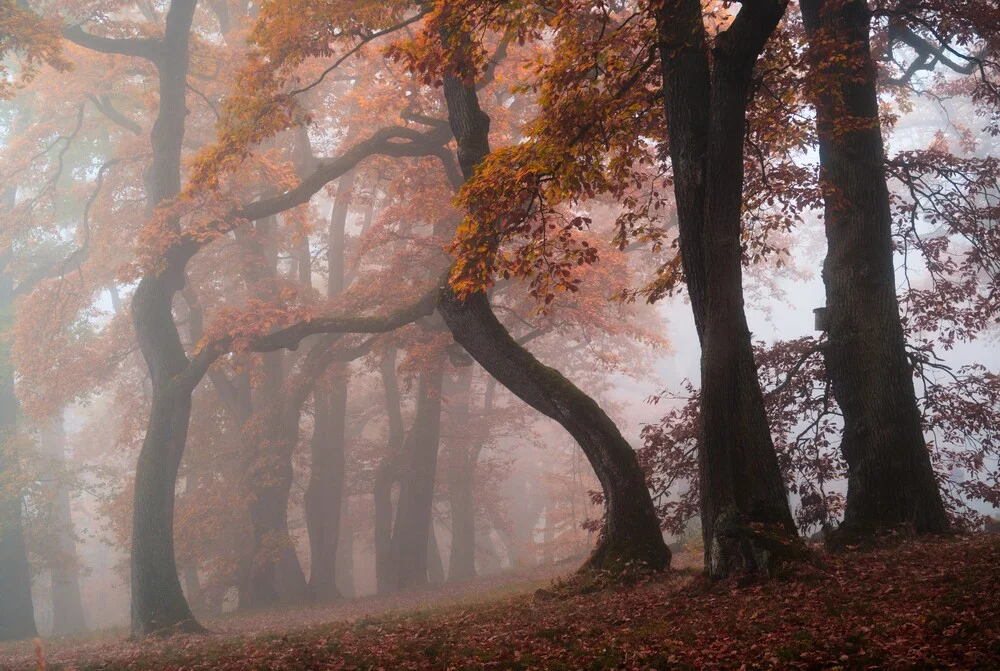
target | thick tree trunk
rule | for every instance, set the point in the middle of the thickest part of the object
(157, 598)
(325, 492)
(277, 576)
(17, 613)
(67, 605)
(410, 532)
(890, 478)
(631, 530)
(745, 514)
(158, 602)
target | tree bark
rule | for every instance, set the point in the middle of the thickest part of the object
(411, 530)
(631, 532)
(157, 598)
(385, 476)
(890, 478)
(345, 553)
(435, 566)
(67, 605)
(325, 493)
(745, 514)
(17, 613)
(461, 455)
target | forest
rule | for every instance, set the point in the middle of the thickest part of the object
(499, 334)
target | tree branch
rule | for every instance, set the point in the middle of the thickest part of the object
(138, 47)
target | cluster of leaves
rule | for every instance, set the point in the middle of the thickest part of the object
(32, 40)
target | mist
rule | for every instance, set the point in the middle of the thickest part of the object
(347, 315)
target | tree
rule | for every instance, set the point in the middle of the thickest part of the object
(33, 42)
(17, 618)
(706, 107)
(67, 605)
(630, 532)
(890, 478)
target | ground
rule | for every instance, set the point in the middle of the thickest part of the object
(930, 604)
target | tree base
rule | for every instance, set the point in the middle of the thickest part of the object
(870, 536)
(750, 551)
(188, 626)
(627, 558)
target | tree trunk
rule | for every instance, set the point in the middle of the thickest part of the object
(890, 478)
(460, 459)
(157, 598)
(631, 531)
(345, 553)
(435, 566)
(277, 576)
(17, 613)
(744, 508)
(462, 562)
(325, 493)
(410, 533)
(67, 605)
(385, 476)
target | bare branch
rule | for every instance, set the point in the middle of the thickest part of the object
(367, 38)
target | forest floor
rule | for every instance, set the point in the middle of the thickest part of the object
(931, 604)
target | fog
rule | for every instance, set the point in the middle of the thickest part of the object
(240, 373)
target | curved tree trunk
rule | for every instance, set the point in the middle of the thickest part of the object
(277, 576)
(157, 599)
(890, 478)
(746, 519)
(631, 531)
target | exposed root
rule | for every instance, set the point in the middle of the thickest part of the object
(751, 551)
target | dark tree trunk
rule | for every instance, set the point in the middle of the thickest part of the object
(17, 613)
(740, 480)
(631, 530)
(277, 576)
(890, 478)
(385, 476)
(325, 493)
(157, 598)
(67, 605)
(410, 532)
